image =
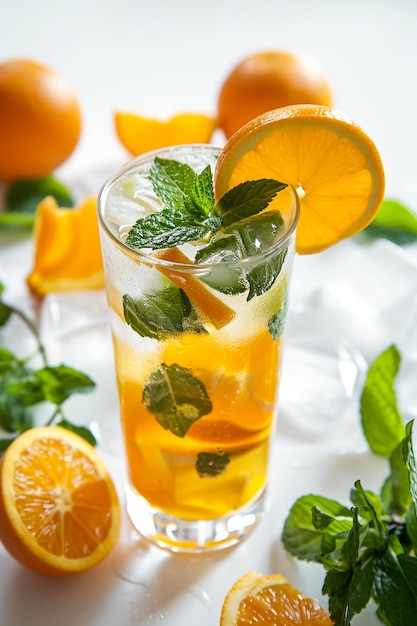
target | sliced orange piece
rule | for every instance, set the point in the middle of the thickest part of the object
(142, 134)
(216, 311)
(256, 599)
(330, 160)
(59, 510)
(67, 253)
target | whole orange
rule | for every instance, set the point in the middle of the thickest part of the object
(268, 80)
(40, 119)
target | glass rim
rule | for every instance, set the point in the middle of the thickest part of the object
(191, 267)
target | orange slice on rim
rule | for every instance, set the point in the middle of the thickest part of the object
(256, 599)
(59, 510)
(334, 165)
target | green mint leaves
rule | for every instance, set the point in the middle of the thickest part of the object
(368, 548)
(189, 211)
(234, 228)
(23, 387)
(176, 397)
(160, 315)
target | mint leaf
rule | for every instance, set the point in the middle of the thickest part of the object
(7, 360)
(5, 311)
(395, 597)
(210, 465)
(393, 221)
(382, 423)
(52, 384)
(176, 397)
(277, 321)
(243, 239)
(82, 431)
(302, 538)
(180, 188)
(166, 313)
(410, 460)
(23, 196)
(395, 492)
(247, 199)
(229, 278)
(167, 229)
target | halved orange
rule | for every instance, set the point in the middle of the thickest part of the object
(334, 165)
(67, 253)
(140, 134)
(59, 510)
(257, 599)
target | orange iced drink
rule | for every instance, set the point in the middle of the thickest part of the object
(197, 328)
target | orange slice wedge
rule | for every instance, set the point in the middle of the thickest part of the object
(216, 311)
(59, 510)
(330, 160)
(142, 134)
(67, 253)
(256, 599)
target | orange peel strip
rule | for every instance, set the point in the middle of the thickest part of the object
(212, 308)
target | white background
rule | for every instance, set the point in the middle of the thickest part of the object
(162, 57)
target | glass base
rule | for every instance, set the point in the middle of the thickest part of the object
(190, 536)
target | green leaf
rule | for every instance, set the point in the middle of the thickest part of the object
(161, 315)
(395, 491)
(241, 240)
(395, 596)
(167, 229)
(393, 221)
(228, 278)
(411, 525)
(7, 360)
(210, 465)
(247, 199)
(23, 196)
(382, 423)
(176, 397)
(174, 183)
(82, 431)
(369, 506)
(349, 592)
(5, 311)
(410, 460)
(277, 321)
(60, 382)
(301, 538)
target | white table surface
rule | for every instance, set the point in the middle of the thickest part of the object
(349, 303)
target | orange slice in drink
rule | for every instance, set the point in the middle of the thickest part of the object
(256, 599)
(59, 510)
(140, 134)
(330, 160)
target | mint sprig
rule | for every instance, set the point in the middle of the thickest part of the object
(368, 548)
(232, 229)
(24, 387)
(189, 212)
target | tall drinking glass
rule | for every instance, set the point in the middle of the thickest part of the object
(197, 342)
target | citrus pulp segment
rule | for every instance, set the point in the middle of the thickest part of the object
(331, 162)
(59, 510)
(257, 599)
